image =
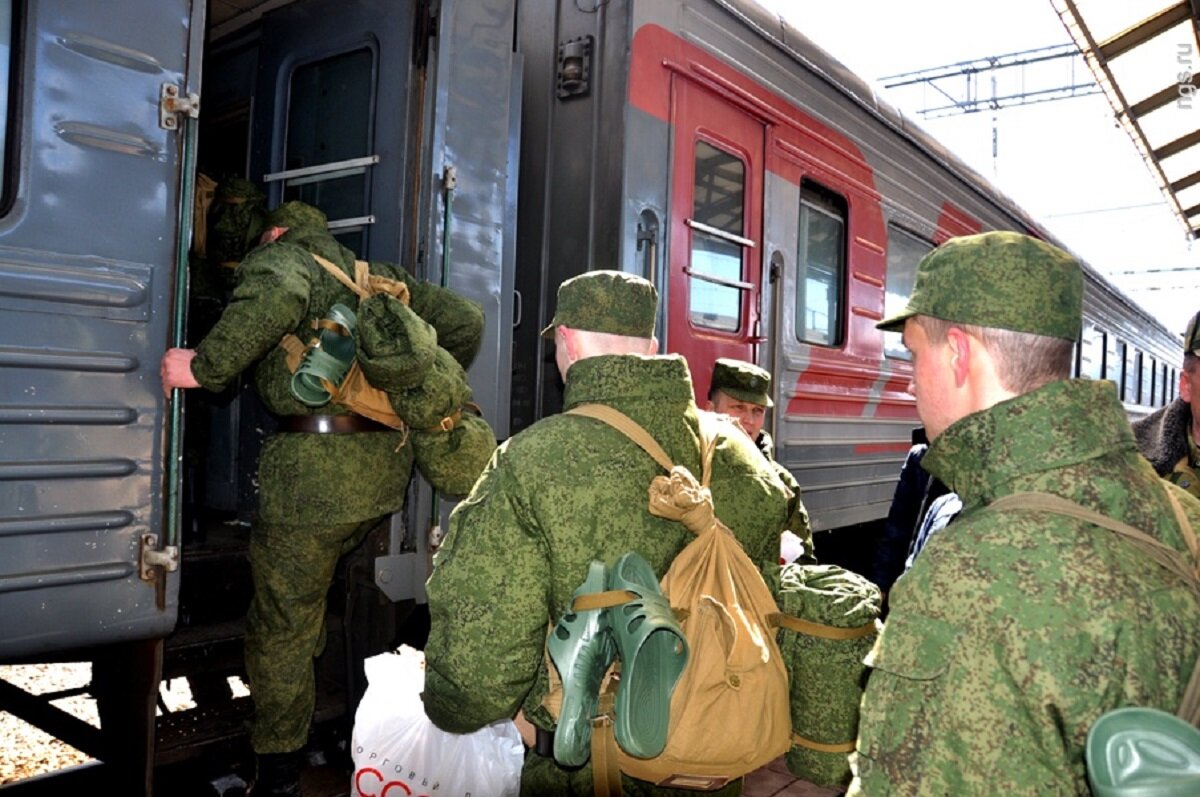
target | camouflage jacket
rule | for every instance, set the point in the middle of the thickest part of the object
(1013, 632)
(1165, 438)
(336, 478)
(564, 492)
(797, 522)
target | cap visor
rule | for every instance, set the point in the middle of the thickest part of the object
(896, 322)
(548, 332)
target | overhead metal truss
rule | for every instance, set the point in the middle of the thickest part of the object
(1149, 71)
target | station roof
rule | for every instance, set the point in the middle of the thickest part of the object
(1145, 55)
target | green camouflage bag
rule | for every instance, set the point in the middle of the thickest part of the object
(452, 460)
(443, 392)
(396, 347)
(827, 626)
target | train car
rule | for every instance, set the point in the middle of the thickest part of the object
(495, 147)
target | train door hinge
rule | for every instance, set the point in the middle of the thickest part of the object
(150, 557)
(172, 103)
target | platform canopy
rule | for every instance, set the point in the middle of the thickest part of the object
(1145, 55)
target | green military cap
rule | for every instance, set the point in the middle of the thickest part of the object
(1191, 338)
(298, 217)
(1002, 280)
(743, 381)
(606, 301)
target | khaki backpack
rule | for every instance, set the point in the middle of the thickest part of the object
(355, 392)
(729, 712)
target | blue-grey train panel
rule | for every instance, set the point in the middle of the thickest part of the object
(87, 256)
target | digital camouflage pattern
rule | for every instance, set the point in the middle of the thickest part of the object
(1002, 280)
(825, 676)
(564, 492)
(1013, 632)
(606, 301)
(299, 218)
(797, 522)
(235, 222)
(743, 381)
(315, 490)
(450, 460)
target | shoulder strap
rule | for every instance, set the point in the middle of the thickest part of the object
(1165, 555)
(361, 274)
(626, 426)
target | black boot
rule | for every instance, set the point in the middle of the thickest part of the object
(278, 775)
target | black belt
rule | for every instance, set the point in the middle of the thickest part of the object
(330, 424)
(545, 742)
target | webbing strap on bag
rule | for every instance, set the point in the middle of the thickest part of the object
(809, 628)
(1170, 558)
(364, 284)
(627, 426)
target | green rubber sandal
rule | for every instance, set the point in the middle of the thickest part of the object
(581, 648)
(653, 652)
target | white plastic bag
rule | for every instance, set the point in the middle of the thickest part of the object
(398, 752)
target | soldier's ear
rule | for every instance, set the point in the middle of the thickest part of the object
(272, 234)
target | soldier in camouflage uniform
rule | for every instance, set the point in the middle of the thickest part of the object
(325, 480)
(1170, 437)
(742, 390)
(1015, 630)
(564, 492)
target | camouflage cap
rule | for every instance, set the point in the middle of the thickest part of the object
(297, 217)
(606, 301)
(743, 381)
(1191, 338)
(1002, 280)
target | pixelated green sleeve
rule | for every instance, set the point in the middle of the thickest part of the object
(488, 607)
(269, 301)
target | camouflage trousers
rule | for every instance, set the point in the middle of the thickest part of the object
(541, 777)
(292, 568)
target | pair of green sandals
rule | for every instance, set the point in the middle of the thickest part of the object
(644, 634)
(1143, 752)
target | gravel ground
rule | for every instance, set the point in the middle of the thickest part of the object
(26, 751)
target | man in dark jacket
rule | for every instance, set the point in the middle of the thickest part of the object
(1170, 437)
(330, 474)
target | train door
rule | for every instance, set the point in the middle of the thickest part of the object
(321, 133)
(90, 239)
(714, 282)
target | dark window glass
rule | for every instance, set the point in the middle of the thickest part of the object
(821, 263)
(329, 120)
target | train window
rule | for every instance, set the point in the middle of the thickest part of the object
(1132, 375)
(1145, 379)
(904, 251)
(718, 225)
(1091, 354)
(1114, 361)
(822, 265)
(329, 117)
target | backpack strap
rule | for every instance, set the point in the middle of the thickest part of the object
(1170, 558)
(626, 426)
(364, 284)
